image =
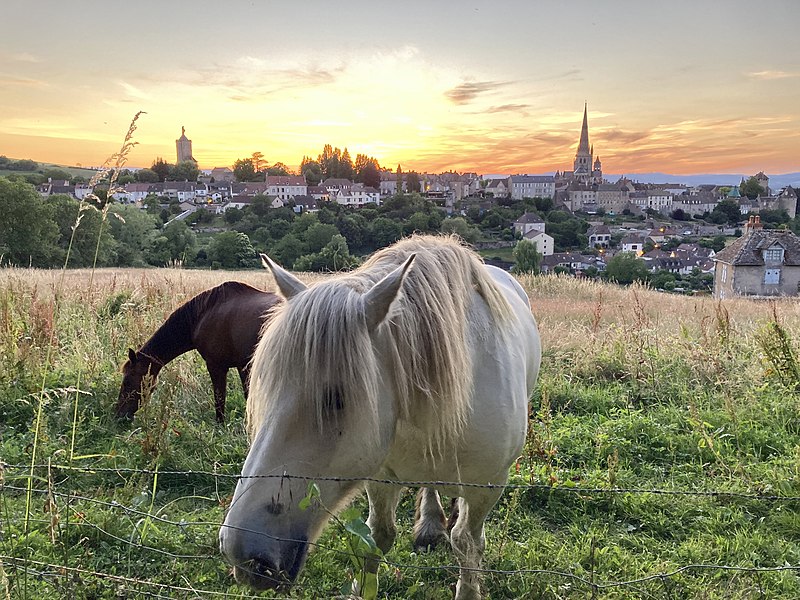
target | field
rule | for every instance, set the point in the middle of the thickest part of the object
(74, 171)
(663, 457)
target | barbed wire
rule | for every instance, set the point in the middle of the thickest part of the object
(590, 583)
(62, 571)
(416, 483)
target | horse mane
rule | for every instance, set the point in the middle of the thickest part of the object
(322, 332)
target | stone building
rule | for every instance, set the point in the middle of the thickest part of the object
(184, 148)
(760, 263)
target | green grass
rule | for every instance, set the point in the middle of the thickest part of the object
(626, 399)
(74, 171)
(501, 253)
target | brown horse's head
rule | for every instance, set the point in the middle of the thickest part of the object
(138, 379)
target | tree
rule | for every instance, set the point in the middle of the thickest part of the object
(527, 259)
(146, 176)
(346, 170)
(371, 176)
(543, 205)
(751, 188)
(57, 174)
(131, 231)
(399, 177)
(461, 228)
(243, 170)
(184, 171)
(231, 250)
(717, 243)
(279, 169)
(625, 268)
(335, 256)
(176, 242)
(28, 234)
(287, 250)
(385, 231)
(413, 183)
(311, 170)
(258, 162)
(319, 235)
(84, 241)
(161, 168)
(726, 211)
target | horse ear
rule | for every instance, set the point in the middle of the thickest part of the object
(378, 300)
(132, 355)
(288, 284)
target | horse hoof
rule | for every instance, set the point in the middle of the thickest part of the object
(428, 542)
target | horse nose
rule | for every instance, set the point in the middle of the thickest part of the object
(261, 573)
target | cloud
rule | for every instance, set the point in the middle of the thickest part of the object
(469, 90)
(507, 108)
(769, 75)
(134, 91)
(21, 81)
(25, 57)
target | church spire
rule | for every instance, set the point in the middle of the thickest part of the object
(584, 143)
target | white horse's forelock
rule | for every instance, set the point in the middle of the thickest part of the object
(318, 343)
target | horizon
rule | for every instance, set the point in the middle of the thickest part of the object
(480, 88)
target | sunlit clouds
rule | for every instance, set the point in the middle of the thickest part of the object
(487, 88)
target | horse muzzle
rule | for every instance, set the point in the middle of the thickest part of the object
(264, 572)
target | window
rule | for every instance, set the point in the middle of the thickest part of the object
(724, 273)
(772, 276)
(773, 255)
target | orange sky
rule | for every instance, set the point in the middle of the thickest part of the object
(492, 87)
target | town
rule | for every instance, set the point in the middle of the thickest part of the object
(577, 220)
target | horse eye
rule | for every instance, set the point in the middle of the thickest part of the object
(333, 400)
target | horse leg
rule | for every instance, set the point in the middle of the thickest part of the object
(383, 499)
(429, 520)
(244, 375)
(468, 541)
(219, 380)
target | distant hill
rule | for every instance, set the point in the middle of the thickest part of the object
(775, 181)
(44, 166)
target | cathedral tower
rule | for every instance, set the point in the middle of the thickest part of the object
(582, 167)
(184, 147)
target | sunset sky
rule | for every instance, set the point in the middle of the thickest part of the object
(494, 87)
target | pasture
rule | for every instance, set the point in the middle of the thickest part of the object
(662, 459)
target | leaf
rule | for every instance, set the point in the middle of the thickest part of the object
(312, 494)
(361, 530)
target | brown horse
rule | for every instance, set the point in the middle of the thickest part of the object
(223, 324)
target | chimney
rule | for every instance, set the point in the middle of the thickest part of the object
(753, 224)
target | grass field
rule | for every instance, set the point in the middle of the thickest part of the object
(74, 171)
(641, 394)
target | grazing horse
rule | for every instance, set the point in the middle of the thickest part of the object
(418, 366)
(223, 324)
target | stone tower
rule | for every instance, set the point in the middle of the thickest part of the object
(184, 147)
(582, 167)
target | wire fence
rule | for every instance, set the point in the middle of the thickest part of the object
(19, 563)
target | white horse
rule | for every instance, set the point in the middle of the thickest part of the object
(418, 366)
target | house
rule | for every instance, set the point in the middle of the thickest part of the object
(599, 236)
(318, 192)
(358, 195)
(532, 186)
(632, 243)
(760, 263)
(497, 188)
(220, 174)
(286, 187)
(544, 243)
(528, 222)
(574, 261)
